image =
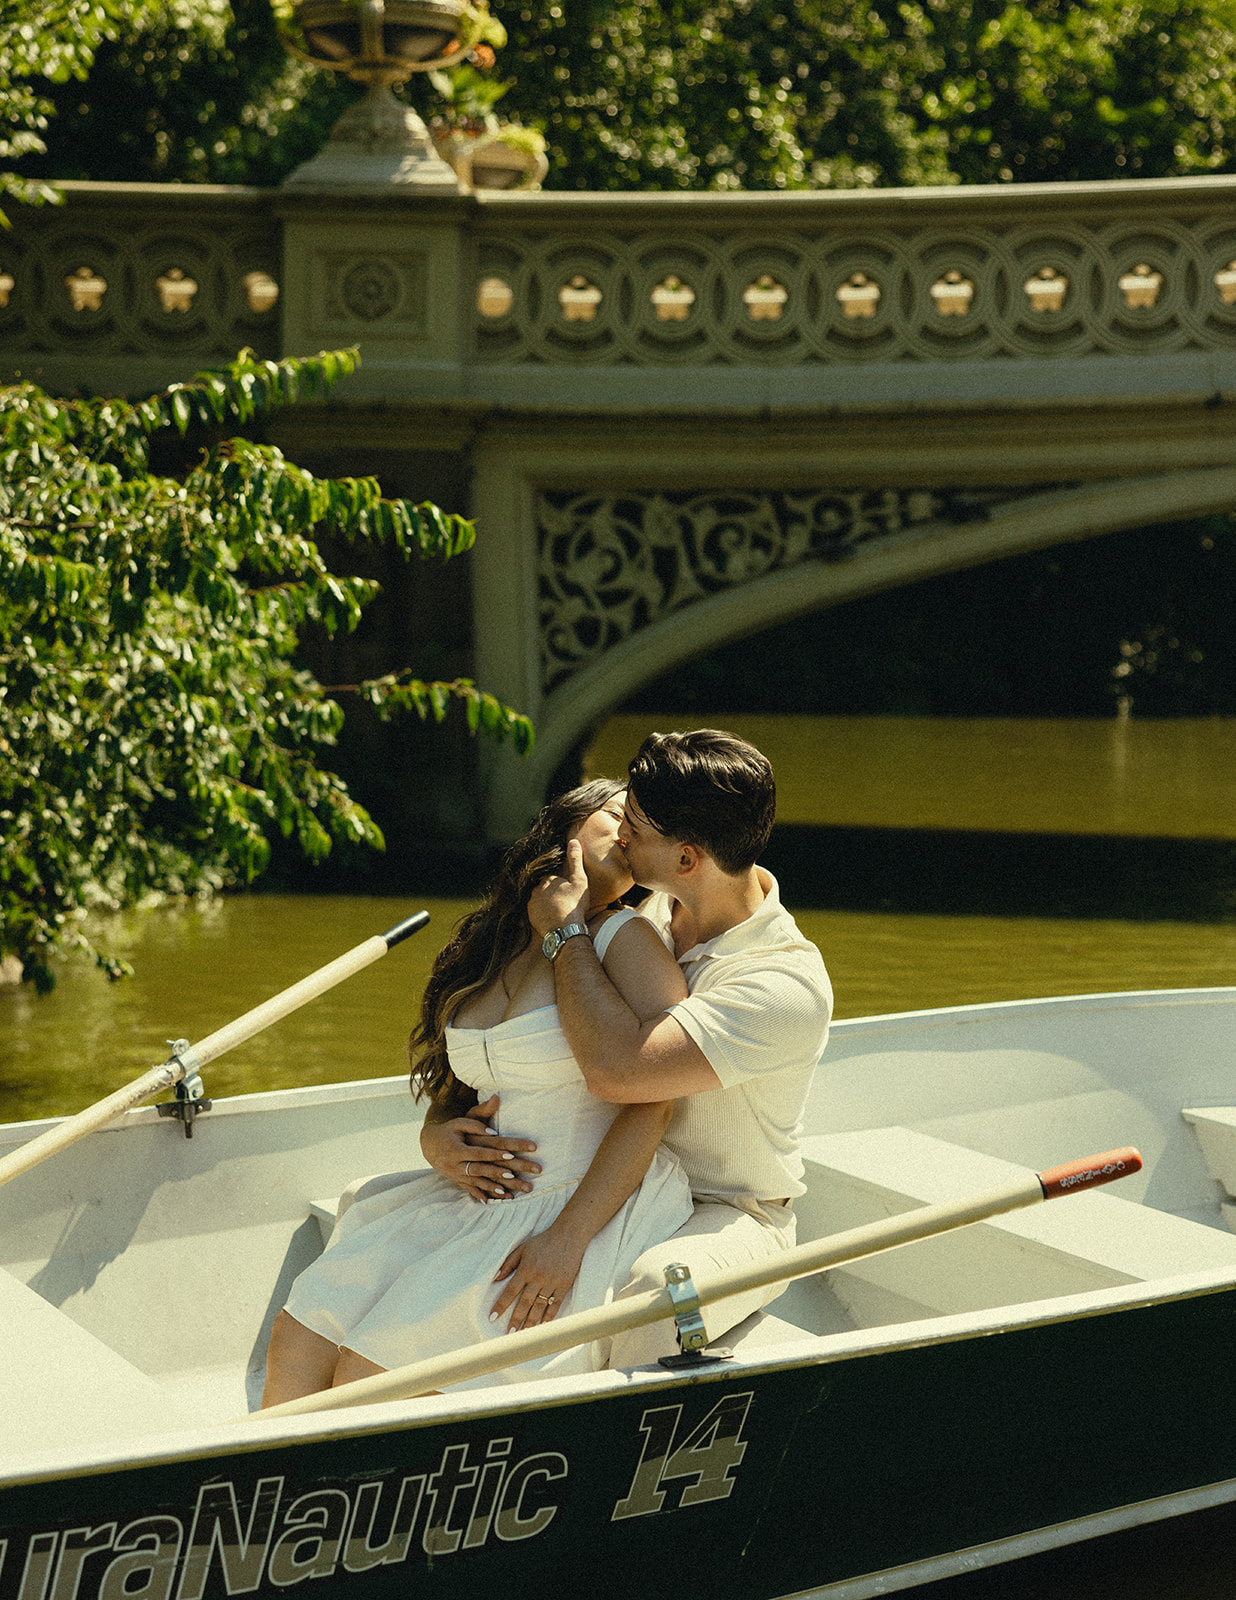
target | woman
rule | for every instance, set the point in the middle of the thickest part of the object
(410, 1271)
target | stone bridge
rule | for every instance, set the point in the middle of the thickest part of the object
(678, 419)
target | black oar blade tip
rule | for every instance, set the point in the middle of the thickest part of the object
(403, 930)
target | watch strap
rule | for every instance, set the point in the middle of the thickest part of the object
(557, 937)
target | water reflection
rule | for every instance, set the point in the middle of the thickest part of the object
(972, 871)
(885, 963)
(935, 862)
(1170, 779)
(995, 816)
(199, 966)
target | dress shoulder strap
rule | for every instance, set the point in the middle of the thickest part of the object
(610, 927)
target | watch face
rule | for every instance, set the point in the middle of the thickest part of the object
(557, 937)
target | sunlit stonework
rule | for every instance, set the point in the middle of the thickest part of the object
(86, 289)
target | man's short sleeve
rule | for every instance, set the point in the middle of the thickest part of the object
(761, 1018)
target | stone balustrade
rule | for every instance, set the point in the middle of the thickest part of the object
(129, 286)
(923, 276)
(706, 300)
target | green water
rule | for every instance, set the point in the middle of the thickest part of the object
(1172, 779)
(199, 966)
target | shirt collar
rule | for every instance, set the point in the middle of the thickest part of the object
(743, 934)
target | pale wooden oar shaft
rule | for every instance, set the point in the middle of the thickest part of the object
(98, 1115)
(194, 1057)
(582, 1327)
(281, 1005)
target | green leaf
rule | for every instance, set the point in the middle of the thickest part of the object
(157, 727)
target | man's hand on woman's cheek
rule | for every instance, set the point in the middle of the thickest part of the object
(561, 899)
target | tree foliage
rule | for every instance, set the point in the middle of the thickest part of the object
(1101, 90)
(196, 94)
(856, 93)
(700, 94)
(726, 94)
(156, 729)
(48, 45)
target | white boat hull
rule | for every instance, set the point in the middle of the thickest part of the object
(936, 1408)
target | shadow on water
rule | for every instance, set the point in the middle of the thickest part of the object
(966, 872)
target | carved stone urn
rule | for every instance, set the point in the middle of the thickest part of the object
(380, 141)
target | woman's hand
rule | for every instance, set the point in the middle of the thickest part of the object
(539, 1274)
(484, 1164)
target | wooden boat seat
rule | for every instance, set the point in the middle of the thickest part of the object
(1089, 1241)
(1215, 1127)
(61, 1387)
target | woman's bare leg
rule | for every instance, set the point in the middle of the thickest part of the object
(298, 1362)
(350, 1367)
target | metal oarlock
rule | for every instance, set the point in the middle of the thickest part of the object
(689, 1324)
(190, 1099)
(181, 1071)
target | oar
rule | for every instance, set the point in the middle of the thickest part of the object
(582, 1327)
(192, 1058)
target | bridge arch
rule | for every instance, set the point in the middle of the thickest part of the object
(633, 582)
(935, 378)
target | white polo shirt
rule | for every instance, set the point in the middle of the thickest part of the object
(759, 1006)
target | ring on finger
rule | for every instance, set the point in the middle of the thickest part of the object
(548, 1298)
(467, 1169)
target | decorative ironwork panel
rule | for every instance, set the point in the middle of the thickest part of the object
(955, 290)
(612, 564)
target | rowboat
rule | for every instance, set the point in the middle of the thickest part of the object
(908, 1414)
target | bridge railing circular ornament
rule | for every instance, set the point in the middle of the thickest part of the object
(196, 292)
(1063, 287)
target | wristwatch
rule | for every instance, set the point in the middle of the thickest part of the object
(557, 937)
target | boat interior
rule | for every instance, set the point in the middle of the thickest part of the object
(140, 1270)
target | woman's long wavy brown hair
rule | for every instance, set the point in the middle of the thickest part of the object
(488, 939)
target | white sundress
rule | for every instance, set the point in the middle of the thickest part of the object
(408, 1273)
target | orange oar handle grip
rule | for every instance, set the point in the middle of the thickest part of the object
(1090, 1172)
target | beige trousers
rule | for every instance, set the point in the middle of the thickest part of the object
(716, 1236)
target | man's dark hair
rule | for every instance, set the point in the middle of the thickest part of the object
(707, 788)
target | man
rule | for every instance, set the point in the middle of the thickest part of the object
(739, 1052)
